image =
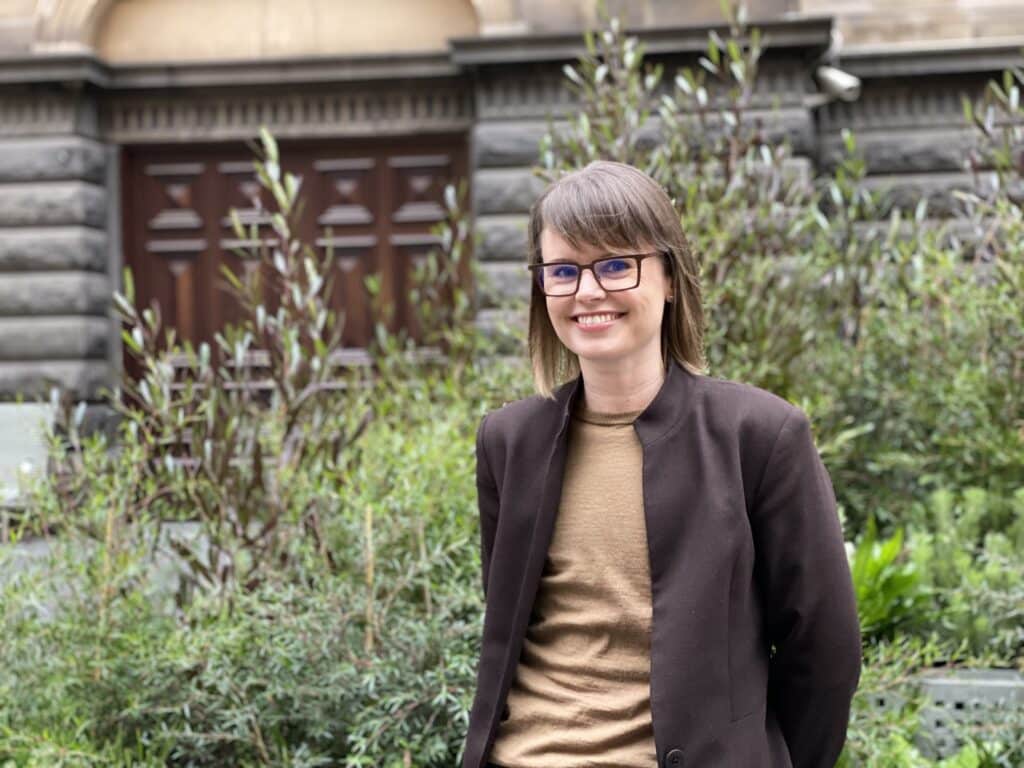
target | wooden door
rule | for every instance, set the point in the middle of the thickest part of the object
(371, 204)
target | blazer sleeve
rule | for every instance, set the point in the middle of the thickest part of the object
(487, 501)
(809, 603)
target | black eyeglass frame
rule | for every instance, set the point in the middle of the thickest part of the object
(536, 269)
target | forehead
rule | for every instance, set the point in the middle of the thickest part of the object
(555, 247)
(596, 210)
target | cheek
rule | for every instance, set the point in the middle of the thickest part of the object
(552, 307)
(650, 308)
(557, 312)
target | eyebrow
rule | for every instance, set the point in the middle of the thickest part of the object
(596, 258)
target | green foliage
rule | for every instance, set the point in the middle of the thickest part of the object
(361, 664)
(885, 715)
(967, 548)
(887, 588)
(229, 436)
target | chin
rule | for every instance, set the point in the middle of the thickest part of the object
(603, 352)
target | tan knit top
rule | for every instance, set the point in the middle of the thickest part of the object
(582, 690)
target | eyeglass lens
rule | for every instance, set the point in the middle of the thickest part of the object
(615, 274)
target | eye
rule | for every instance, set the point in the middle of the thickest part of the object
(562, 271)
(615, 266)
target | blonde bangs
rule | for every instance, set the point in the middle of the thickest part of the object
(604, 210)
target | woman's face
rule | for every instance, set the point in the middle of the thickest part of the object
(601, 326)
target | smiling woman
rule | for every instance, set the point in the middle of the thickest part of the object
(649, 533)
(611, 209)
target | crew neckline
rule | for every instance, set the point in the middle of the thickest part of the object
(588, 416)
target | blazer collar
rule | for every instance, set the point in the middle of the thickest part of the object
(668, 407)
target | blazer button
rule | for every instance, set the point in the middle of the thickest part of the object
(674, 758)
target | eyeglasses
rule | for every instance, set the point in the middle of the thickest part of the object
(614, 273)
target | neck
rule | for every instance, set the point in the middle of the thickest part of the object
(610, 387)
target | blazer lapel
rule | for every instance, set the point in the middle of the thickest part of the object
(543, 528)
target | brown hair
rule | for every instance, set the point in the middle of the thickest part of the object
(617, 207)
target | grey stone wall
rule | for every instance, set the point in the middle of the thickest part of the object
(909, 122)
(54, 254)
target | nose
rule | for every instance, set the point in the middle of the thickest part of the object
(589, 287)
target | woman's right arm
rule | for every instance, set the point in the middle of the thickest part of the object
(487, 500)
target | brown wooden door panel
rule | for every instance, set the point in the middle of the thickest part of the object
(370, 203)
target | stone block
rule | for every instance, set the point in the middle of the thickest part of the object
(53, 203)
(54, 293)
(516, 143)
(54, 338)
(506, 328)
(38, 248)
(85, 379)
(52, 159)
(503, 282)
(910, 151)
(505, 190)
(513, 143)
(906, 189)
(792, 124)
(502, 237)
(958, 698)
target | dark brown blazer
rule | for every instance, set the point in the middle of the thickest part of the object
(746, 556)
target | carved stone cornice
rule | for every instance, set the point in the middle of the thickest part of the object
(64, 68)
(538, 90)
(383, 109)
(88, 68)
(47, 112)
(935, 59)
(885, 105)
(313, 69)
(315, 96)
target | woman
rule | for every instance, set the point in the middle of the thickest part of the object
(663, 565)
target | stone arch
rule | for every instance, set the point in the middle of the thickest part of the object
(68, 25)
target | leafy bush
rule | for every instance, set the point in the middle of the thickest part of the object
(887, 588)
(967, 548)
(360, 664)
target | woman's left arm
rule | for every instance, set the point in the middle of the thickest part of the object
(810, 608)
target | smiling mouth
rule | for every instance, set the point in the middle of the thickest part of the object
(605, 317)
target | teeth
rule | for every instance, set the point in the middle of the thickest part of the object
(592, 319)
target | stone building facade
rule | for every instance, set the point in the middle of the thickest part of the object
(122, 125)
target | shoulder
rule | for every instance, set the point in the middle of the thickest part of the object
(766, 432)
(745, 400)
(519, 416)
(755, 416)
(518, 430)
